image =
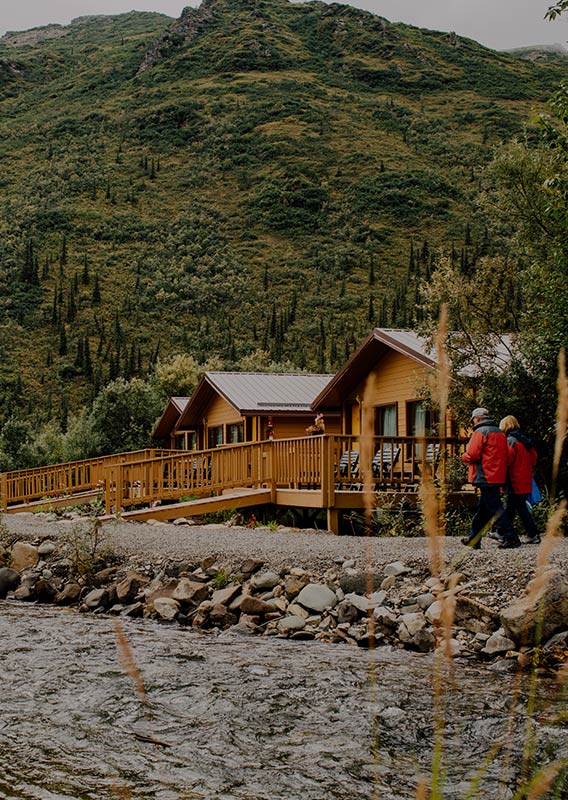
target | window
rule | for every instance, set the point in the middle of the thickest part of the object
(215, 436)
(235, 433)
(385, 420)
(420, 421)
(186, 441)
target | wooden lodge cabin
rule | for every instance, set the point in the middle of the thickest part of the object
(234, 407)
(240, 440)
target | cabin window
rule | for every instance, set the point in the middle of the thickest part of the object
(420, 421)
(186, 441)
(215, 436)
(235, 433)
(385, 420)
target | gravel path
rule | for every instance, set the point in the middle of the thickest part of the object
(501, 574)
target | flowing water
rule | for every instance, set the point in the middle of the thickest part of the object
(236, 717)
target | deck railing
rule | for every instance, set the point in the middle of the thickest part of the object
(324, 463)
(61, 480)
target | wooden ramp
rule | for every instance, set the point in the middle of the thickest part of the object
(237, 499)
(79, 499)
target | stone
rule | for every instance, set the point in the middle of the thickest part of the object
(46, 548)
(104, 575)
(24, 593)
(475, 617)
(220, 616)
(127, 589)
(453, 648)
(94, 599)
(424, 640)
(498, 643)
(558, 642)
(348, 612)
(409, 625)
(24, 556)
(296, 610)
(395, 569)
(226, 595)
(133, 610)
(69, 594)
(291, 623)
(265, 580)
(278, 604)
(388, 583)
(359, 601)
(190, 592)
(250, 566)
(293, 585)
(434, 611)
(166, 607)
(317, 597)
(348, 563)
(360, 582)
(385, 617)
(253, 606)
(9, 580)
(425, 600)
(540, 613)
(181, 521)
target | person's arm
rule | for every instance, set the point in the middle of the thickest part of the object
(474, 448)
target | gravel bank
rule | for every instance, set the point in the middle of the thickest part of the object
(501, 574)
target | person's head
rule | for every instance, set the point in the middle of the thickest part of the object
(479, 415)
(509, 423)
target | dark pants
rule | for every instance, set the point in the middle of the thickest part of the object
(517, 504)
(490, 512)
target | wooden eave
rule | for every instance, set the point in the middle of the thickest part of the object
(167, 422)
(360, 364)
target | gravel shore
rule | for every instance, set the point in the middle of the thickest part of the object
(500, 575)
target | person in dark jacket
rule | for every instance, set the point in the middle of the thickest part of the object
(487, 455)
(523, 457)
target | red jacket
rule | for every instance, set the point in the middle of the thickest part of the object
(523, 458)
(488, 455)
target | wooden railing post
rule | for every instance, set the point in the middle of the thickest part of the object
(4, 491)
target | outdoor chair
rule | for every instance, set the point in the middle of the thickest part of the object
(348, 468)
(384, 462)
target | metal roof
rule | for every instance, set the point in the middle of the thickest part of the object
(265, 392)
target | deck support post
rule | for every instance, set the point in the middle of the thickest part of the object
(333, 520)
(4, 491)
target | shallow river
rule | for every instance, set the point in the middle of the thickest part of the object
(243, 718)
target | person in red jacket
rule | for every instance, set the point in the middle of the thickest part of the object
(523, 457)
(488, 455)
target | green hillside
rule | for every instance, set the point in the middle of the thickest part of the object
(255, 175)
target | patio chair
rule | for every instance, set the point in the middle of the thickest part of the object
(384, 462)
(348, 468)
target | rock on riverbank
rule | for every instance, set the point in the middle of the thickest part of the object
(397, 603)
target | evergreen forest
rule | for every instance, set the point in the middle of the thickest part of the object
(254, 185)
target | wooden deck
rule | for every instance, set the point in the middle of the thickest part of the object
(334, 473)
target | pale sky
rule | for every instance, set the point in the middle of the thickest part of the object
(499, 24)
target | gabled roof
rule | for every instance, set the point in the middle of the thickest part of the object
(173, 411)
(409, 344)
(255, 393)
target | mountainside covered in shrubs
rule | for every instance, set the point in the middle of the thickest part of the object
(255, 176)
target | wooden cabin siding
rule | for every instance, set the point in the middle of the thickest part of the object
(219, 412)
(395, 378)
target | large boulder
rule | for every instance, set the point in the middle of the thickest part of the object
(317, 597)
(541, 612)
(24, 556)
(9, 580)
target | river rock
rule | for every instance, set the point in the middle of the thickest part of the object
(68, 595)
(360, 582)
(127, 589)
(498, 643)
(94, 599)
(296, 610)
(9, 580)
(226, 595)
(541, 613)
(24, 556)
(385, 617)
(347, 612)
(424, 640)
(434, 611)
(220, 616)
(293, 585)
(133, 610)
(254, 605)
(24, 593)
(190, 592)
(44, 591)
(291, 623)
(395, 569)
(265, 580)
(166, 607)
(46, 548)
(250, 566)
(409, 625)
(317, 597)
(558, 642)
(475, 617)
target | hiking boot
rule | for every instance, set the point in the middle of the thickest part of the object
(534, 539)
(496, 536)
(472, 541)
(507, 544)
